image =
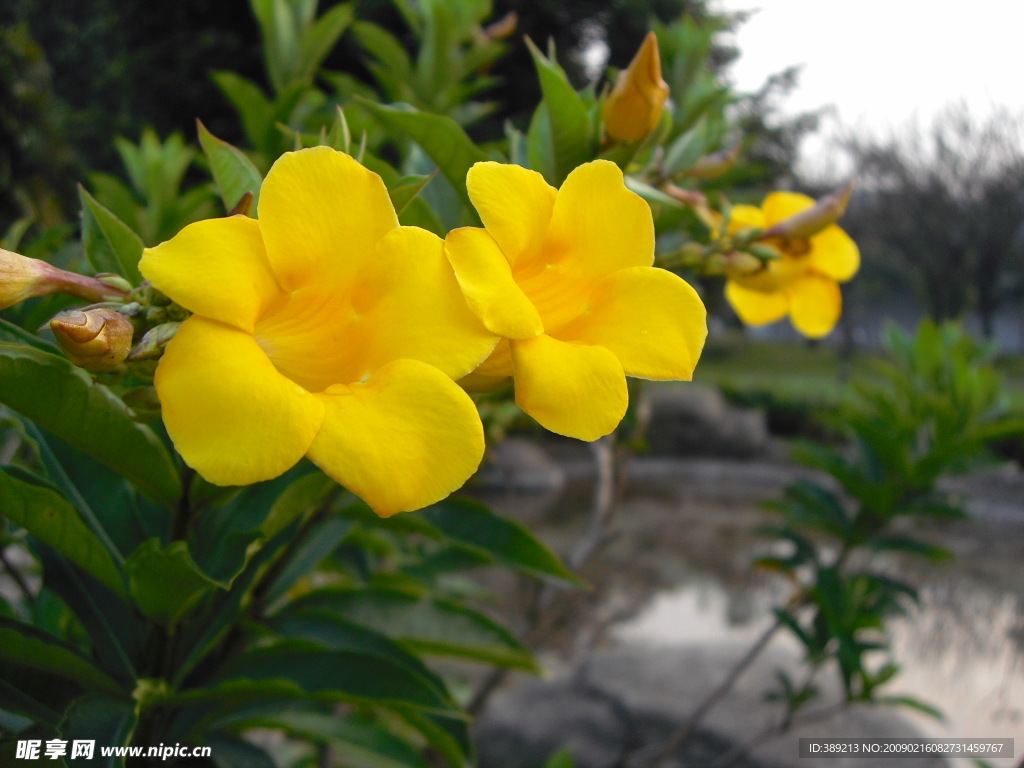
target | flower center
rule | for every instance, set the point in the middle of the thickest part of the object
(309, 337)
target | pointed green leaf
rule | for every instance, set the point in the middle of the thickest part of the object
(406, 190)
(294, 669)
(570, 131)
(165, 581)
(321, 37)
(24, 646)
(110, 244)
(65, 400)
(474, 525)
(233, 172)
(47, 516)
(364, 744)
(105, 719)
(428, 625)
(440, 137)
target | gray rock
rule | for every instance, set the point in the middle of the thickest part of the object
(695, 420)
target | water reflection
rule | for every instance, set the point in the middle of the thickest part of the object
(687, 536)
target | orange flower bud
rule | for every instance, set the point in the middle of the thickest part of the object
(22, 278)
(634, 106)
(95, 339)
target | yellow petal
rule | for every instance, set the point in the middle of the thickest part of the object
(321, 213)
(407, 304)
(514, 205)
(571, 389)
(404, 439)
(216, 268)
(781, 205)
(598, 225)
(651, 319)
(231, 415)
(487, 283)
(745, 217)
(834, 254)
(815, 305)
(756, 307)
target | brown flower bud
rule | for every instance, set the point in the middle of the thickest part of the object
(634, 106)
(95, 339)
(811, 221)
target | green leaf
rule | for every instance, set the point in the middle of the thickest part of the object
(107, 720)
(427, 625)
(16, 699)
(23, 646)
(253, 107)
(47, 516)
(165, 581)
(233, 172)
(472, 524)
(110, 244)
(570, 131)
(321, 541)
(321, 37)
(235, 752)
(561, 759)
(406, 190)
(66, 401)
(440, 137)
(295, 669)
(363, 744)
(334, 630)
(912, 703)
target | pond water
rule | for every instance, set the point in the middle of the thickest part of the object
(677, 578)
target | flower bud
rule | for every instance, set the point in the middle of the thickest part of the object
(95, 339)
(713, 166)
(153, 343)
(634, 106)
(22, 278)
(811, 221)
(503, 27)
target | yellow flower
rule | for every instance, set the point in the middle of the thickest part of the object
(565, 277)
(324, 329)
(803, 281)
(634, 106)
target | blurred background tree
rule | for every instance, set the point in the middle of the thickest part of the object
(120, 66)
(939, 211)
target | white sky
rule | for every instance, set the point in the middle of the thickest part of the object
(883, 62)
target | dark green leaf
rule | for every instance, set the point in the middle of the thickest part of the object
(165, 581)
(431, 626)
(294, 668)
(359, 743)
(24, 646)
(65, 400)
(107, 720)
(472, 524)
(47, 516)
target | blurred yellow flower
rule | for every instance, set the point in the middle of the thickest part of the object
(803, 281)
(566, 278)
(324, 329)
(634, 106)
